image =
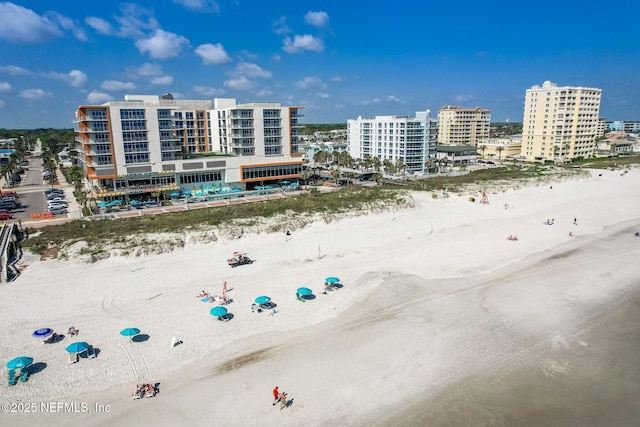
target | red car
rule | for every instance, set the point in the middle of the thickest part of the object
(5, 216)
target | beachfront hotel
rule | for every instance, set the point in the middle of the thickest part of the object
(463, 126)
(560, 122)
(148, 144)
(393, 138)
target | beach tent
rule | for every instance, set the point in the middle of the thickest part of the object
(19, 362)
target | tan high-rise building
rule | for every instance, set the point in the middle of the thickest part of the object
(457, 125)
(560, 122)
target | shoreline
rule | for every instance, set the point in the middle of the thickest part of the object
(430, 286)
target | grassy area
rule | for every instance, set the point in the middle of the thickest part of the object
(130, 232)
(120, 232)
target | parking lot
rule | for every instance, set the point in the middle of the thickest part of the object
(31, 191)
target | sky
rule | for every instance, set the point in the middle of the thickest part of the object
(337, 59)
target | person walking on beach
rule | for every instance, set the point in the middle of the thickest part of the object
(224, 287)
(276, 396)
(283, 400)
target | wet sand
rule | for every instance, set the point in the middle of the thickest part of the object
(588, 376)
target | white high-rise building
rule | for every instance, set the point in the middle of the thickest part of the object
(147, 144)
(560, 122)
(463, 126)
(393, 138)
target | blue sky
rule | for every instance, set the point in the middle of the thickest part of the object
(338, 59)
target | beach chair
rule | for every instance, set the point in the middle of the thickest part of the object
(150, 393)
(224, 318)
(24, 375)
(91, 353)
(73, 359)
(139, 393)
(12, 377)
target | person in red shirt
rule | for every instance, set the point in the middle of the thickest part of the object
(276, 395)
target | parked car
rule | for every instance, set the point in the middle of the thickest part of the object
(5, 216)
(51, 191)
(57, 211)
(8, 205)
(57, 205)
(56, 199)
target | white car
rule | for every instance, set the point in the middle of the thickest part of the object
(57, 200)
(57, 205)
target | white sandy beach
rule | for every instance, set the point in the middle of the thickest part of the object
(433, 297)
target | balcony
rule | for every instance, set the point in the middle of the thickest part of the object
(81, 119)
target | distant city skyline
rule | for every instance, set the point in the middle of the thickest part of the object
(338, 60)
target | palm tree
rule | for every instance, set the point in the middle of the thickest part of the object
(319, 157)
(400, 166)
(376, 163)
(305, 175)
(499, 149)
(566, 147)
(483, 149)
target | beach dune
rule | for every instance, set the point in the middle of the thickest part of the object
(439, 318)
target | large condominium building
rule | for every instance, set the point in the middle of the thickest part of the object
(457, 125)
(147, 144)
(560, 122)
(393, 138)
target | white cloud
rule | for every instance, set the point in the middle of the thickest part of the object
(2, 103)
(311, 82)
(200, 5)
(250, 70)
(21, 25)
(276, 58)
(208, 91)
(162, 80)
(337, 79)
(264, 92)
(162, 45)
(70, 25)
(392, 98)
(463, 98)
(97, 98)
(13, 70)
(212, 54)
(5, 87)
(99, 24)
(75, 78)
(368, 101)
(114, 85)
(280, 26)
(240, 83)
(303, 42)
(322, 95)
(135, 20)
(146, 70)
(317, 19)
(34, 94)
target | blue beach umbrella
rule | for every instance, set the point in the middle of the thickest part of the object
(332, 280)
(304, 291)
(263, 299)
(129, 332)
(19, 362)
(174, 194)
(77, 347)
(218, 311)
(42, 332)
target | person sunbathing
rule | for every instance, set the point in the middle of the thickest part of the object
(73, 331)
(203, 294)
